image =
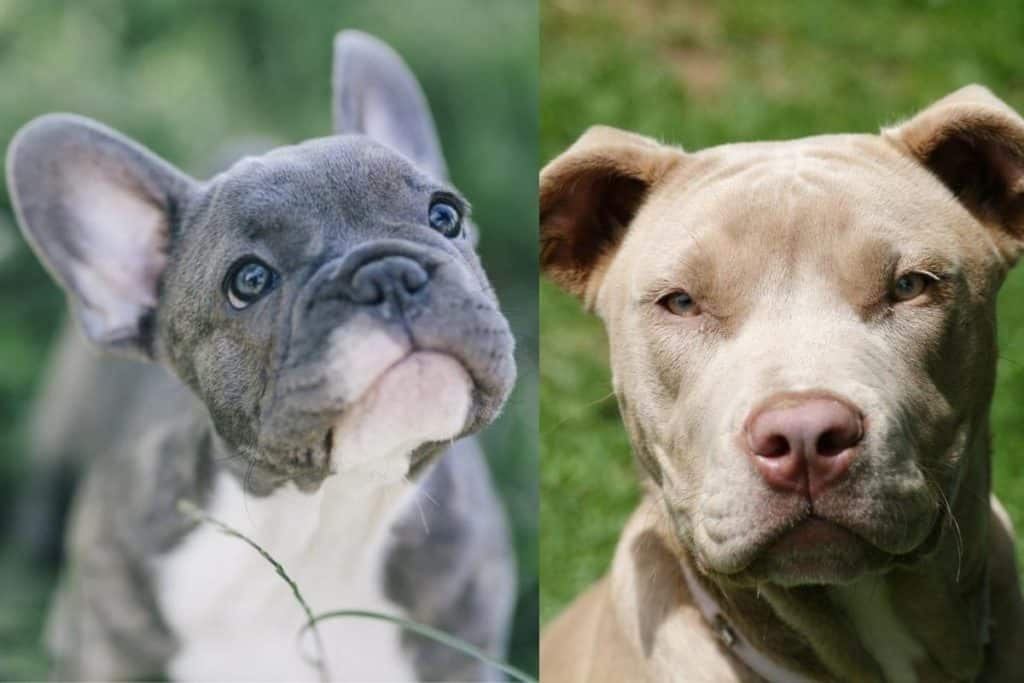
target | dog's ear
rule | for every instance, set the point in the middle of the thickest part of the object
(588, 197)
(974, 143)
(98, 210)
(375, 94)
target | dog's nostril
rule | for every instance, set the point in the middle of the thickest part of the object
(774, 446)
(803, 443)
(832, 442)
(414, 279)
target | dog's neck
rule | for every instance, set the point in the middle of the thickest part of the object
(356, 496)
(926, 621)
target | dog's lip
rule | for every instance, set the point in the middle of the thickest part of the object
(406, 356)
(329, 437)
(813, 532)
(331, 416)
(807, 538)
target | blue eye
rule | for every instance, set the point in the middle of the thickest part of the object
(248, 281)
(910, 286)
(681, 304)
(445, 218)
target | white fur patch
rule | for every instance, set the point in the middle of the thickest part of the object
(424, 397)
(360, 352)
(237, 620)
(867, 604)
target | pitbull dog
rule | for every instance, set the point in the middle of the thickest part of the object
(322, 333)
(803, 345)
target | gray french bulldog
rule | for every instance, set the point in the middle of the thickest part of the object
(322, 339)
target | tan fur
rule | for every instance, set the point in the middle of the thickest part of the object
(791, 250)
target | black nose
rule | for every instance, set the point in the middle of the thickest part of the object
(398, 279)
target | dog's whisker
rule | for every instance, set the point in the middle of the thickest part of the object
(591, 404)
(245, 489)
(426, 494)
(423, 517)
(957, 534)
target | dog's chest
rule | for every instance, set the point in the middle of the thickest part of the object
(236, 619)
(869, 608)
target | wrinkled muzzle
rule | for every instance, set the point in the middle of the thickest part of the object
(834, 435)
(392, 347)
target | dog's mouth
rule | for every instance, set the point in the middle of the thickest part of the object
(815, 550)
(415, 403)
(823, 551)
(424, 398)
(893, 512)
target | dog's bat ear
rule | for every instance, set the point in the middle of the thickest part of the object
(589, 196)
(98, 210)
(375, 94)
(974, 143)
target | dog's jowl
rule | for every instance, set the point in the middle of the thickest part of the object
(318, 338)
(803, 345)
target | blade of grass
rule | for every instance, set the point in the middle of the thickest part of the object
(427, 632)
(190, 510)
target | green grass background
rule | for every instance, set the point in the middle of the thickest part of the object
(189, 77)
(704, 73)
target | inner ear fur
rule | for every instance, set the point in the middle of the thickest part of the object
(974, 143)
(588, 197)
(97, 209)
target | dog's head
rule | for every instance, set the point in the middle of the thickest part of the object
(802, 333)
(324, 300)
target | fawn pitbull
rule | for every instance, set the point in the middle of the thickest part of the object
(323, 332)
(802, 340)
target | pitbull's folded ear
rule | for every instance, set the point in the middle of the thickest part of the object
(974, 143)
(98, 210)
(588, 197)
(375, 94)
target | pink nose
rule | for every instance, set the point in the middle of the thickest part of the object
(803, 443)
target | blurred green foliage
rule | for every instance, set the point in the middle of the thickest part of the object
(705, 73)
(187, 78)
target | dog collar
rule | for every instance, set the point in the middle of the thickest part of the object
(739, 646)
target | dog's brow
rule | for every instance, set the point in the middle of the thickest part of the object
(687, 265)
(256, 229)
(419, 184)
(933, 263)
(435, 188)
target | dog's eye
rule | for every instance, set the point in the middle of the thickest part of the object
(247, 281)
(911, 285)
(445, 218)
(681, 304)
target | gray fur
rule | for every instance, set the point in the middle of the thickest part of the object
(240, 390)
(454, 575)
(377, 95)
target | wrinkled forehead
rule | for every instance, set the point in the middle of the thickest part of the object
(346, 177)
(820, 203)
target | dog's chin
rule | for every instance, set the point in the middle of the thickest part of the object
(816, 551)
(425, 397)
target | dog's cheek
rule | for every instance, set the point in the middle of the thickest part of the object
(230, 381)
(466, 322)
(474, 269)
(654, 377)
(934, 396)
(643, 449)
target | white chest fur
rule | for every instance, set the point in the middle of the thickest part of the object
(867, 604)
(237, 620)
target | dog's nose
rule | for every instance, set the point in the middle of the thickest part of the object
(398, 279)
(803, 444)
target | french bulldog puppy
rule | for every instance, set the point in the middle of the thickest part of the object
(320, 338)
(803, 346)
